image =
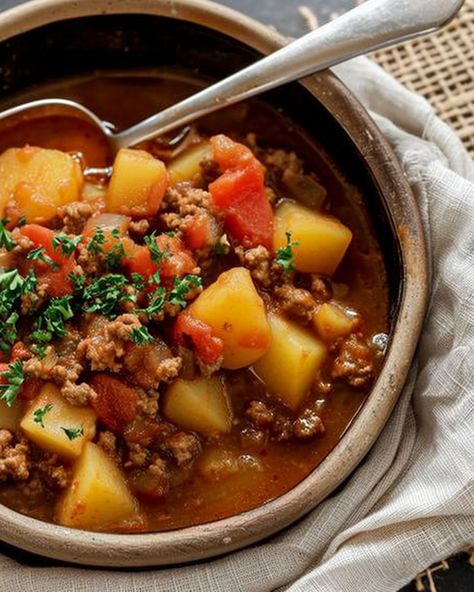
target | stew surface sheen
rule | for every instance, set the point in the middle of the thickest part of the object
(186, 335)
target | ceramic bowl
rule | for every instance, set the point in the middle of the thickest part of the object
(70, 36)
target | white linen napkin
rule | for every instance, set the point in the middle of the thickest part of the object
(411, 502)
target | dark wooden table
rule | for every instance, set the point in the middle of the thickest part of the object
(455, 574)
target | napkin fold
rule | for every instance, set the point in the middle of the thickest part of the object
(411, 502)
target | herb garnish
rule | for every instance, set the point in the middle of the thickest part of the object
(8, 332)
(6, 236)
(78, 280)
(96, 242)
(39, 254)
(181, 287)
(68, 245)
(14, 378)
(157, 255)
(156, 302)
(38, 415)
(104, 293)
(138, 282)
(141, 335)
(114, 257)
(285, 256)
(50, 322)
(73, 433)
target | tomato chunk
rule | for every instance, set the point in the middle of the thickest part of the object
(239, 193)
(208, 347)
(57, 279)
(201, 231)
(116, 403)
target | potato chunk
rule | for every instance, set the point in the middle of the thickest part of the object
(97, 498)
(332, 321)
(323, 240)
(49, 434)
(39, 180)
(10, 417)
(186, 165)
(201, 405)
(290, 366)
(137, 185)
(236, 314)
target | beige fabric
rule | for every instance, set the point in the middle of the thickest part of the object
(411, 502)
(441, 68)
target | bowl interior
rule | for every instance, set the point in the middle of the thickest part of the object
(131, 42)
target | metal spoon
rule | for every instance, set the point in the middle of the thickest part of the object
(370, 26)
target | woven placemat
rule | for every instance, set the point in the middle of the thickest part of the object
(441, 68)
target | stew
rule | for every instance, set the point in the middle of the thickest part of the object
(186, 334)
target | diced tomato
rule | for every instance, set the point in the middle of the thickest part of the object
(201, 231)
(178, 261)
(208, 347)
(3, 368)
(116, 403)
(31, 388)
(145, 431)
(56, 279)
(138, 259)
(239, 193)
(19, 352)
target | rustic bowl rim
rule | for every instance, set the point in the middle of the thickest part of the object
(207, 540)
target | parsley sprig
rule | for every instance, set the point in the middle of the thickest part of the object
(73, 433)
(50, 322)
(157, 255)
(181, 287)
(13, 378)
(38, 415)
(67, 244)
(39, 254)
(105, 293)
(141, 335)
(285, 256)
(6, 239)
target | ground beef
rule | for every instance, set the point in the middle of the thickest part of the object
(295, 302)
(308, 425)
(147, 402)
(281, 160)
(52, 472)
(35, 299)
(23, 244)
(354, 362)
(320, 288)
(138, 456)
(104, 344)
(253, 439)
(14, 457)
(209, 369)
(75, 216)
(107, 440)
(78, 394)
(148, 365)
(282, 427)
(185, 199)
(259, 414)
(183, 447)
(139, 227)
(89, 262)
(259, 262)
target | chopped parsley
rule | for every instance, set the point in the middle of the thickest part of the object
(285, 256)
(21, 221)
(138, 282)
(29, 283)
(67, 244)
(73, 433)
(38, 415)
(39, 350)
(104, 293)
(8, 332)
(78, 280)
(156, 302)
(115, 232)
(5, 236)
(50, 322)
(221, 248)
(114, 257)
(141, 335)
(97, 241)
(11, 288)
(181, 287)
(39, 254)
(157, 255)
(14, 378)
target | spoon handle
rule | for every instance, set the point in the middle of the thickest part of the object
(372, 25)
